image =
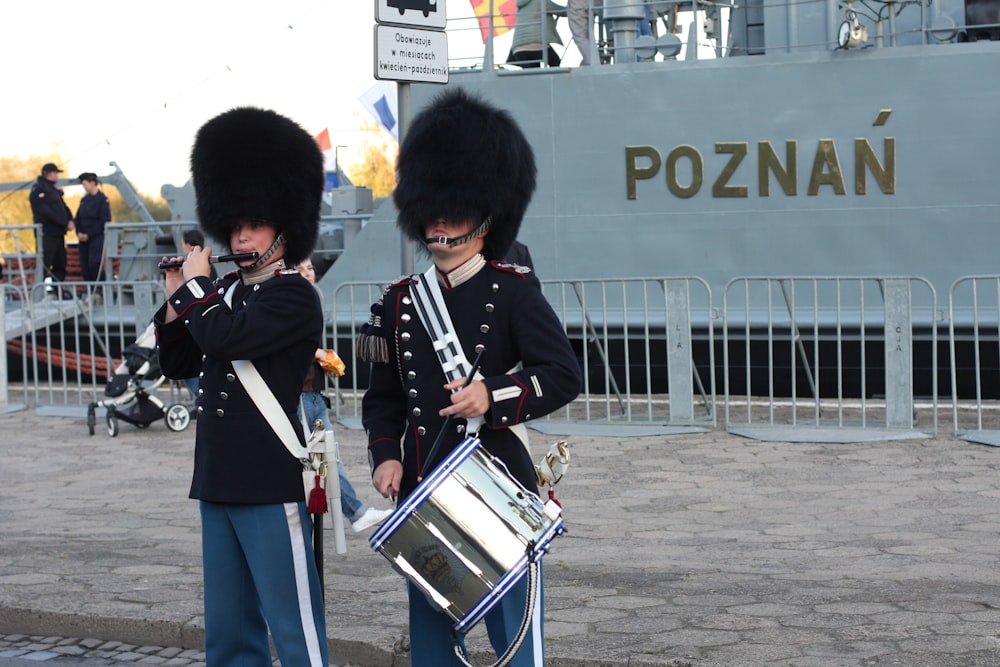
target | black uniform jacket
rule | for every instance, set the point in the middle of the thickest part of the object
(48, 208)
(501, 307)
(278, 325)
(92, 214)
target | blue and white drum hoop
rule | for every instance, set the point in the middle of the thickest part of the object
(465, 534)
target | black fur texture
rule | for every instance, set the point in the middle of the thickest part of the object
(464, 159)
(255, 164)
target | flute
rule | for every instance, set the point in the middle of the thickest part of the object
(214, 259)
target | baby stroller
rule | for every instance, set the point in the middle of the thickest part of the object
(128, 398)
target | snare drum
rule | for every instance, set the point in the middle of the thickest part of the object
(465, 534)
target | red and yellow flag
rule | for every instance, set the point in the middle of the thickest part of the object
(504, 16)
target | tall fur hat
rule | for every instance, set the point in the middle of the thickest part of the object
(462, 158)
(255, 164)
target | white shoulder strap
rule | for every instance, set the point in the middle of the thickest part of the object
(268, 405)
(436, 319)
(264, 399)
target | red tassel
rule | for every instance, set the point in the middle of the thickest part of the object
(552, 496)
(317, 499)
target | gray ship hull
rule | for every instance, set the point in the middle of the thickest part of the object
(795, 176)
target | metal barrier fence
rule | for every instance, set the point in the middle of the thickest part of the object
(827, 340)
(635, 337)
(974, 348)
(647, 347)
(69, 338)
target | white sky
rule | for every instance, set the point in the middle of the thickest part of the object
(132, 80)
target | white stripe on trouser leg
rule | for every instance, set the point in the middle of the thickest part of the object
(536, 629)
(302, 584)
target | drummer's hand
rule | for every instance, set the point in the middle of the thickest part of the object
(197, 263)
(387, 477)
(472, 401)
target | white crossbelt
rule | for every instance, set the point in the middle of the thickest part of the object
(434, 315)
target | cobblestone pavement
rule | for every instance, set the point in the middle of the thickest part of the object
(39, 648)
(697, 549)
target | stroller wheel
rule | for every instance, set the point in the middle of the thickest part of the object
(112, 424)
(178, 417)
(91, 417)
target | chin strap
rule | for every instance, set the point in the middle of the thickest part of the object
(263, 259)
(465, 238)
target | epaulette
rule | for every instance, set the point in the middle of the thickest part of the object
(372, 344)
(399, 282)
(510, 267)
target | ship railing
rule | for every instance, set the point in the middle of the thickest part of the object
(840, 357)
(974, 321)
(21, 265)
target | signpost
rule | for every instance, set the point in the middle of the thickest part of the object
(410, 45)
(408, 54)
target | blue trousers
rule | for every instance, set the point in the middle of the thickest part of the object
(350, 505)
(260, 575)
(432, 641)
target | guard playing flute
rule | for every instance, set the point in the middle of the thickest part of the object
(465, 176)
(258, 179)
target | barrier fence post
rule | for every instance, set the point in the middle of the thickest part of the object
(898, 355)
(680, 373)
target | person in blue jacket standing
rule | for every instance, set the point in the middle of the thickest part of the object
(92, 215)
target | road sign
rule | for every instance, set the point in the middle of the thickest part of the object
(419, 13)
(408, 54)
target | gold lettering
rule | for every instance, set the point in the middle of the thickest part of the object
(767, 161)
(697, 171)
(633, 172)
(826, 169)
(721, 188)
(864, 156)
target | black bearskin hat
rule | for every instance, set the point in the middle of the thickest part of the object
(255, 164)
(464, 159)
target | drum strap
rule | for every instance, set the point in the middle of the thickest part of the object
(436, 319)
(529, 609)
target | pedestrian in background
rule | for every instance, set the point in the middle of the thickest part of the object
(93, 213)
(315, 406)
(534, 33)
(49, 210)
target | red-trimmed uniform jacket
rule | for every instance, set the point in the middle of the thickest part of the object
(277, 324)
(501, 307)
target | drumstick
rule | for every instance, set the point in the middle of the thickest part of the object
(440, 435)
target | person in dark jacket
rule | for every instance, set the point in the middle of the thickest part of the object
(50, 211)
(465, 176)
(258, 179)
(92, 215)
(519, 254)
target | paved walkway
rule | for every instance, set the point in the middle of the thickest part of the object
(697, 549)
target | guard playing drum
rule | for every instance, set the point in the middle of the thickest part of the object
(465, 176)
